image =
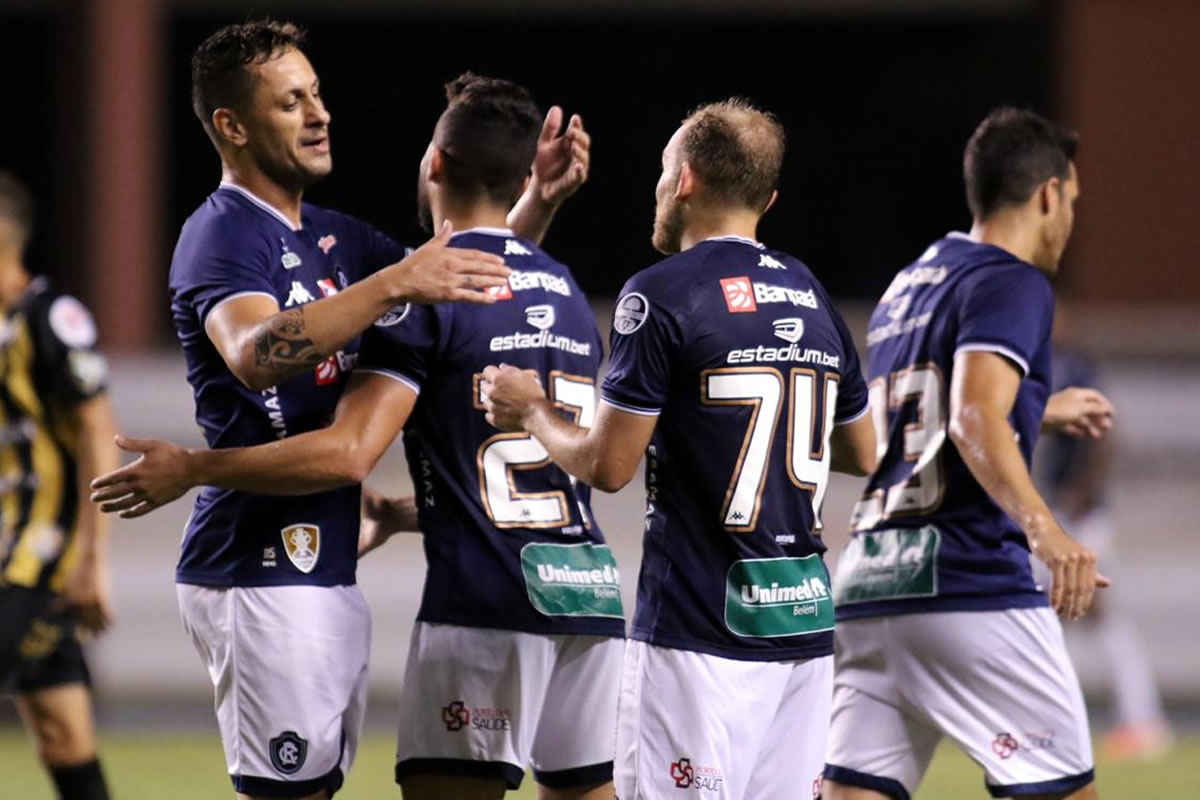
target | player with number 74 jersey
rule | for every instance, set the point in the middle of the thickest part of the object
(734, 374)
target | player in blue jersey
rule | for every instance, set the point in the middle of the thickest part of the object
(269, 295)
(942, 629)
(515, 659)
(734, 374)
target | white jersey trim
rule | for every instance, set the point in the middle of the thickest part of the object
(643, 412)
(991, 347)
(735, 238)
(505, 232)
(235, 296)
(263, 204)
(866, 409)
(396, 376)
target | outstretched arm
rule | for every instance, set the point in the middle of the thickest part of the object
(982, 392)
(559, 169)
(263, 345)
(605, 456)
(370, 415)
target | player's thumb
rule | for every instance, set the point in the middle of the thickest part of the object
(131, 445)
(1103, 581)
(553, 122)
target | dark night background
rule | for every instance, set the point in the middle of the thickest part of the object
(876, 112)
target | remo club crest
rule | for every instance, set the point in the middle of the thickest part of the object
(302, 543)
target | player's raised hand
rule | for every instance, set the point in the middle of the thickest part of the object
(438, 273)
(159, 476)
(1073, 574)
(509, 394)
(562, 161)
(1079, 412)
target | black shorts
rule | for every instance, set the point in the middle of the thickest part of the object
(38, 645)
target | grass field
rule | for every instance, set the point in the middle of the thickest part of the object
(190, 767)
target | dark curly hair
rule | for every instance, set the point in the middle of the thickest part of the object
(219, 75)
(488, 134)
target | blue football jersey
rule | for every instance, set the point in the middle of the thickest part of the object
(510, 540)
(234, 245)
(739, 352)
(927, 536)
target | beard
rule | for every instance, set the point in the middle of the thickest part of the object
(668, 227)
(295, 176)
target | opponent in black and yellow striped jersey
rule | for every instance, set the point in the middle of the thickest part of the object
(56, 434)
(48, 368)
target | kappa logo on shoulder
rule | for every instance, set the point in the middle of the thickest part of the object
(514, 248)
(288, 752)
(739, 294)
(302, 543)
(540, 316)
(790, 329)
(770, 262)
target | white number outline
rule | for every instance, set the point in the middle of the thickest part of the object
(514, 495)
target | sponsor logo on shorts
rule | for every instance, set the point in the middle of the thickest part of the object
(456, 716)
(687, 775)
(288, 751)
(1005, 744)
(302, 543)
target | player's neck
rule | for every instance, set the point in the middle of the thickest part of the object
(1008, 233)
(14, 280)
(286, 201)
(475, 217)
(710, 225)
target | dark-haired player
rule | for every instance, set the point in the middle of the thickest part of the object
(732, 371)
(269, 295)
(942, 629)
(515, 659)
(56, 429)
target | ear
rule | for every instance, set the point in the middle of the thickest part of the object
(688, 183)
(437, 164)
(1050, 195)
(771, 202)
(229, 127)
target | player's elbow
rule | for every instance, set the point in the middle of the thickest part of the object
(967, 422)
(611, 477)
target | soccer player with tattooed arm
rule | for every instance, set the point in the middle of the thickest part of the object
(269, 296)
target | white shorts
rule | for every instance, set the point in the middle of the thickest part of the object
(289, 668)
(998, 683)
(697, 725)
(485, 703)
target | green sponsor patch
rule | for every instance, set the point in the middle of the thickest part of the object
(769, 597)
(888, 565)
(572, 580)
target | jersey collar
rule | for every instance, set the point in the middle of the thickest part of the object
(263, 204)
(732, 238)
(505, 232)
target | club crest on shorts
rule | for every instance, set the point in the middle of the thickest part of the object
(288, 752)
(302, 543)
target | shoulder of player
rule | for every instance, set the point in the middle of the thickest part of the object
(226, 232)
(63, 315)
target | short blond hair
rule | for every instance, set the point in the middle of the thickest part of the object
(737, 151)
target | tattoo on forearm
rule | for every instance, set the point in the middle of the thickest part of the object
(283, 345)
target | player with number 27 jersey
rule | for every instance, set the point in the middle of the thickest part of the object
(740, 353)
